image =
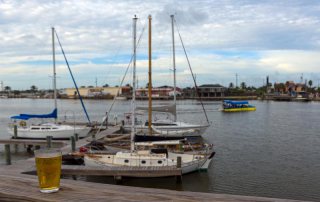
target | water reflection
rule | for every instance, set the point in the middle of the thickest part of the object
(272, 152)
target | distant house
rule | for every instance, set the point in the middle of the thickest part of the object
(289, 88)
(98, 91)
(162, 91)
(212, 90)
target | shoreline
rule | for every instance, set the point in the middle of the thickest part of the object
(178, 98)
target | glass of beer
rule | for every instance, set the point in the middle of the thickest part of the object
(48, 163)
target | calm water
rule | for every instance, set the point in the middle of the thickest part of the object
(273, 152)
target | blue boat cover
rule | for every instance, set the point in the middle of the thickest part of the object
(236, 102)
(53, 114)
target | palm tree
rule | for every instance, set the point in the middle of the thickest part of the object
(310, 83)
(231, 85)
(33, 89)
(243, 85)
(7, 88)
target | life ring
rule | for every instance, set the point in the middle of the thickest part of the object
(23, 124)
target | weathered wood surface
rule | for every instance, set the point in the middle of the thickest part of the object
(25, 188)
(55, 143)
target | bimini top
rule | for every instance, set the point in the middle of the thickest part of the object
(41, 116)
(232, 102)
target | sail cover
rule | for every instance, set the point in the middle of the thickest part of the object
(163, 108)
(53, 114)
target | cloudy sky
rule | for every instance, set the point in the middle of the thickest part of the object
(222, 38)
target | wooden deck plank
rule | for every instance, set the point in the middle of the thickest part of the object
(25, 188)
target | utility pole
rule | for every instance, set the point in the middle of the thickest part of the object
(96, 82)
(305, 84)
(236, 80)
(267, 84)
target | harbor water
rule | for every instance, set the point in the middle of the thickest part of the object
(272, 152)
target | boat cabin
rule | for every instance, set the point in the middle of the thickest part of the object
(235, 104)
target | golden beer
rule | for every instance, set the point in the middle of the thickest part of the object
(48, 165)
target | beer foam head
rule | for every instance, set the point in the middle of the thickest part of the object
(47, 153)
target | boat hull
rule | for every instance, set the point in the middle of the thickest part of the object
(27, 133)
(244, 109)
(189, 164)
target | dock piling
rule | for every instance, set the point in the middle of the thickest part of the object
(8, 154)
(15, 131)
(49, 141)
(179, 162)
(15, 136)
(73, 143)
(76, 135)
(179, 177)
(118, 179)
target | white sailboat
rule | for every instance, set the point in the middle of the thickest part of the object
(44, 129)
(168, 127)
(151, 157)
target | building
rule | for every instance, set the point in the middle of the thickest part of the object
(290, 88)
(212, 90)
(98, 92)
(162, 91)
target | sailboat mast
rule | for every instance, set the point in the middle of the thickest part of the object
(150, 80)
(133, 117)
(174, 67)
(54, 72)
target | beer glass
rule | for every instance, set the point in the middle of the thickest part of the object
(48, 163)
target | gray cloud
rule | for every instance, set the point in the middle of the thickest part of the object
(102, 29)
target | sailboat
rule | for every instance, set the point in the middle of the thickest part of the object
(167, 127)
(44, 129)
(151, 157)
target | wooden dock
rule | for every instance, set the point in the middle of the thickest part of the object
(21, 187)
(15, 185)
(117, 171)
(55, 143)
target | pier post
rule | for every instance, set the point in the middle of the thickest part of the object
(76, 135)
(179, 162)
(118, 179)
(8, 154)
(73, 143)
(15, 136)
(49, 141)
(15, 131)
(179, 177)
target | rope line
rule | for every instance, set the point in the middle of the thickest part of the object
(75, 84)
(194, 80)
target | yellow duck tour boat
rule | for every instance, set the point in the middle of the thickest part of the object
(237, 106)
